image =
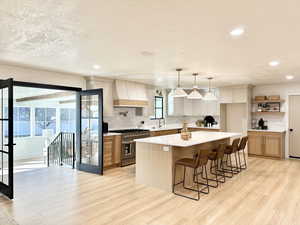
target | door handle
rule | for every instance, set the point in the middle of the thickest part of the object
(291, 130)
(9, 144)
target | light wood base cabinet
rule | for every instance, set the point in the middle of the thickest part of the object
(163, 132)
(203, 129)
(266, 144)
(112, 151)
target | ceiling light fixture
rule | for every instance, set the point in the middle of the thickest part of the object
(274, 63)
(96, 67)
(237, 31)
(289, 77)
(210, 96)
(195, 94)
(179, 92)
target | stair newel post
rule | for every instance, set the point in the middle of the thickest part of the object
(61, 149)
(73, 148)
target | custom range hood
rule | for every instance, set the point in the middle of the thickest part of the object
(130, 94)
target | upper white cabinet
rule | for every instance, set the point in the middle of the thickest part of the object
(175, 106)
(239, 95)
(192, 107)
(234, 94)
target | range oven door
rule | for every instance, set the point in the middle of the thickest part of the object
(128, 153)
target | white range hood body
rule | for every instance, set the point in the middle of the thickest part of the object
(130, 94)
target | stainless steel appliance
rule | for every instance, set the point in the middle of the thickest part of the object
(128, 144)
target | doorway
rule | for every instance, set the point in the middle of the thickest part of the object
(294, 126)
(38, 121)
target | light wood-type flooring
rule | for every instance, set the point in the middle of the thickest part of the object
(267, 193)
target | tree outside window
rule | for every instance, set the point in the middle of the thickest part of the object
(67, 120)
(45, 118)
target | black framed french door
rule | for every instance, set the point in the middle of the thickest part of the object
(89, 106)
(6, 138)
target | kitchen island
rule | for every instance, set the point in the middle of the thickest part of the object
(155, 156)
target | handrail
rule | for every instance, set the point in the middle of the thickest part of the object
(61, 150)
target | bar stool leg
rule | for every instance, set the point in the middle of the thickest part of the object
(183, 181)
(230, 170)
(245, 162)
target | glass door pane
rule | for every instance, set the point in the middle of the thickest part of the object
(6, 137)
(90, 137)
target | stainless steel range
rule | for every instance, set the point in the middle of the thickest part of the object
(128, 144)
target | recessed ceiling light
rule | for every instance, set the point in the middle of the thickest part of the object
(96, 67)
(274, 63)
(159, 79)
(237, 31)
(289, 77)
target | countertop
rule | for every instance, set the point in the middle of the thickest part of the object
(177, 126)
(198, 137)
(111, 134)
(167, 127)
(275, 130)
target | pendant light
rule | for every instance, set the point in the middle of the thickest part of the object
(209, 96)
(195, 94)
(179, 92)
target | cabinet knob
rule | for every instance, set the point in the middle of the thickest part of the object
(291, 130)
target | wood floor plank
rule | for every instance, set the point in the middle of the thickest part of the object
(267, 193)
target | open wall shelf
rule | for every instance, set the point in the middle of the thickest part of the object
(269, 113)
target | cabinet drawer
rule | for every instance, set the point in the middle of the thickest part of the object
(163, 132)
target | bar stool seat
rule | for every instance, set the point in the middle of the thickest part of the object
(189, 162)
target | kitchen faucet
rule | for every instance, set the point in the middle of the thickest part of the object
(161, 122)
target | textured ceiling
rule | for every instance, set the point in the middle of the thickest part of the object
(146, 40)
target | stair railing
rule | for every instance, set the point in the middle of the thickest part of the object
(61, 151)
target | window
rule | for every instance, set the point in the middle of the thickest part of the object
(67, 120)
(21, 119)
(45, 118)
(159, 107)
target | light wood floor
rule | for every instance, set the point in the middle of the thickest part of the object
(267, 193)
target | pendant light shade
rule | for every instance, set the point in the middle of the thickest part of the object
(195, 94)
(179, 92)
(209, 96)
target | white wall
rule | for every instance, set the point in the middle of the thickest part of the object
(28, 147)
(41, 76)
(283, 90)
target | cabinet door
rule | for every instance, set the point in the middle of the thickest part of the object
(212, 108)
(256, 144)
(108, 151)
(188, 107)
(197, 107)
(239, 95)
(273, 145)
(178, 106)
(225, 95)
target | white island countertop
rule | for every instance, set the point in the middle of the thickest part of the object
(199, 137)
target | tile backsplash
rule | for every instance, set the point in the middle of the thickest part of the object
(131, 120)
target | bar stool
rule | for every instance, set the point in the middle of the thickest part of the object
(216, 165)
(199, 161)
(229, 150)
(241, 149)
